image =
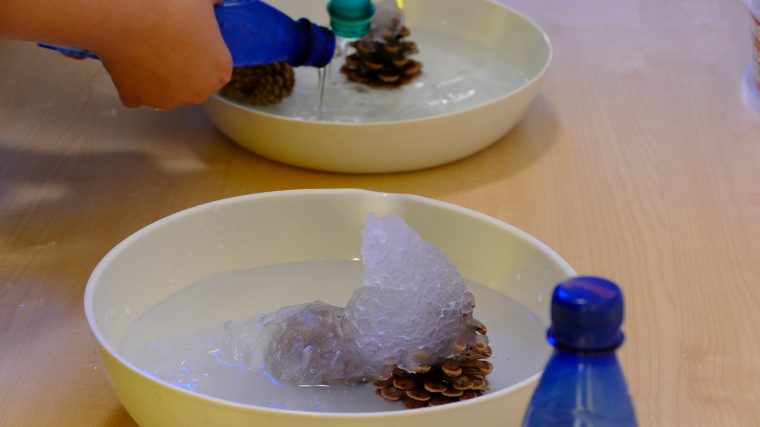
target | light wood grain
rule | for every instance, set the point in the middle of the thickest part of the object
(639, 161)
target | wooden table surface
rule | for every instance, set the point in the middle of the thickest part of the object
(638, 161)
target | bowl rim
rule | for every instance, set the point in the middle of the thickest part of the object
(485, 104)
(104, 263)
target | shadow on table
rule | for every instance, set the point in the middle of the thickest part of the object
(188, 163)
(63, 207)
(119, 418)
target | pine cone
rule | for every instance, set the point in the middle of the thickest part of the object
(458, 378)
(452, 381)
(383, 64)
(260, 84)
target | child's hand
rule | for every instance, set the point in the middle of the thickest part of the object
(168, 54)
(160, 53)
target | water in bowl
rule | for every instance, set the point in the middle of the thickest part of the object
(457, 74)
(175, 340)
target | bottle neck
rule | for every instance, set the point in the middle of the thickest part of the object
(316, 47)
(579, 351)
(576, 362)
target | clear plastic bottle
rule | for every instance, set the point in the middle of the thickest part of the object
(583, 384)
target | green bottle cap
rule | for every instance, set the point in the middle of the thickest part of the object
(351, 19)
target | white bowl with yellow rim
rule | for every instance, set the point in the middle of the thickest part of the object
(304, 225)
(403, 144)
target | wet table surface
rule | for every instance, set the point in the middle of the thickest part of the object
(638, 161)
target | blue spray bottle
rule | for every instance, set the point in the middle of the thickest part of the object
(583, 385)
(257, 33)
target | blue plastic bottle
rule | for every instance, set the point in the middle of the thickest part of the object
(583, 385)
(257, 33)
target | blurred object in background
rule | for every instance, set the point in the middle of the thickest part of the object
(752, 76)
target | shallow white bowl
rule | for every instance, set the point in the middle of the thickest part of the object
(304, 225)
(402, 145)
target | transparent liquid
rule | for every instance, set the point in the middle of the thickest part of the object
(175, 340)
(457, 75)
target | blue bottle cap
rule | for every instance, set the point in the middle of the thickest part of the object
(351, 19)
(587, 313)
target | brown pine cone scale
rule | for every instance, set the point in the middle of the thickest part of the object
(260, 84)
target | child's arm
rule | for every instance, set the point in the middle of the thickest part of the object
(160, 53)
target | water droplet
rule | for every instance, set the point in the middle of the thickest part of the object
(30, 304)
(540, 298)
(44, 246)
(111, 112)
(322, 83)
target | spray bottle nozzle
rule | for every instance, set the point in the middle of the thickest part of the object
(351, 19)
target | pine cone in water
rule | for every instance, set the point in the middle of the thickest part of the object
(460, 377)
(260, 84)
(383, 64)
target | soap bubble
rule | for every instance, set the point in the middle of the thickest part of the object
(413, 310)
